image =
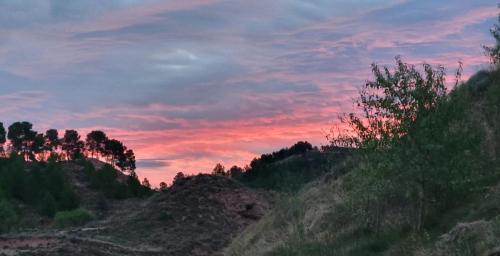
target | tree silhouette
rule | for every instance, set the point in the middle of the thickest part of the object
(96, 142)
(52, 141)
(235, 171)
(72, 145)
(178, 177)
(22, 137)
(126, 161)
(114, 150)
(3, 139)
(146, 184)
(219, 170)
(163, 186)
(37, 147)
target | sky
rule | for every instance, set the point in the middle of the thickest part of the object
(188, 84)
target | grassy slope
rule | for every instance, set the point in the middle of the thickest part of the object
(314, 222)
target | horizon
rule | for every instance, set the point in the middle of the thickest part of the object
(192, 84)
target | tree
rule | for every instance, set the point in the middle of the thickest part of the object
(96, 142)
(72, 145)
(494, 51)
(134, 185)
(393, 134)
(219, 170)
(114, 150)
(37, 147)
(22, 137)
(126, 161)
(47, 205)
(235, 171)
(2, 139)
(392, 103)
(146, 184)
(300, 148)
(163, 186)
(52, 141)
(178, 177)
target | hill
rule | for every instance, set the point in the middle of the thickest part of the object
(373, 206)
(198, 215)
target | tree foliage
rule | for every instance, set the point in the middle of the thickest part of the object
(420, 149)
(493, 52)
(392, 103)
(22, 136)
(72, 146)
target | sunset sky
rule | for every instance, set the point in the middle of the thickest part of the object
(191, 83)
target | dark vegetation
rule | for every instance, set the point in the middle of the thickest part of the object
(290, 168)
(33, 177)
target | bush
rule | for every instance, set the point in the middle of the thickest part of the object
(47, 205)
(75, 217)
(8, 217)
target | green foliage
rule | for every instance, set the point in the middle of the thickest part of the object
(43, 186)
(72, 145)
(287, 169)
(494, 51)
(47, 206)
(286, 175)
(8, 217)
(416, 181)
(106, 180)
(95, 142)
(75, 217)
(68, 199)
(22, 137)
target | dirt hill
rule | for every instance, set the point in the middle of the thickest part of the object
(199, 215)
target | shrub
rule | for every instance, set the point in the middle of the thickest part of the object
(47, 205)
(75, 217)
(8, 217)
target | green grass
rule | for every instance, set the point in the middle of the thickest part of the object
(75, 217)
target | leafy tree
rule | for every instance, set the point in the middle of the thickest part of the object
(494, 51)
(37, 147)
(106, 176)
(47, 205)
(69, 199)
(178, 178)
(235, 171)
(219, 170)
(72, 145)
(52, 141)
(96, 142)
(392, 103)
(114, 150)
(134, 184)
(126, 161)
(406, 141)
(22, 137)
(146, 184)
(163, 186)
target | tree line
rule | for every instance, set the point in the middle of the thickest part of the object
(20, 138)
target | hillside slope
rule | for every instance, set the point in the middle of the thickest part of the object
(196, 216)
(335, 216)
